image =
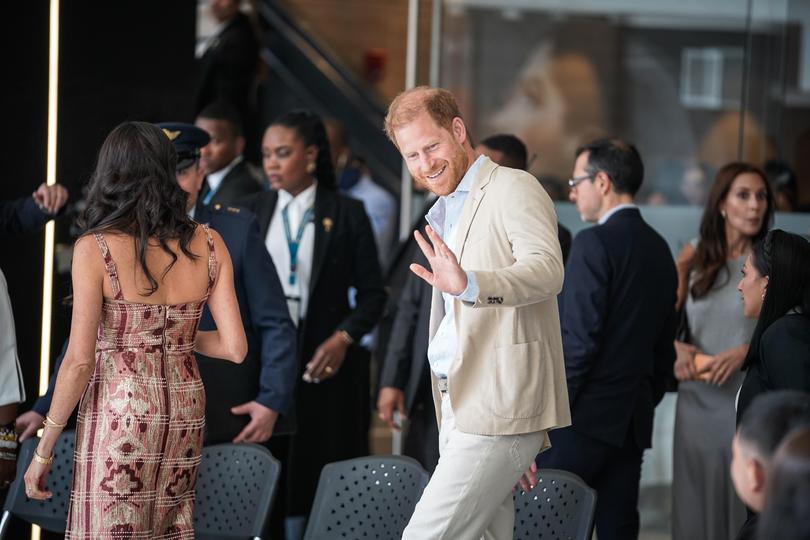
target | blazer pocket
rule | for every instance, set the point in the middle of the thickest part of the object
(518, 380)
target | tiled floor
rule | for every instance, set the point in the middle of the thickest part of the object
(655, 508)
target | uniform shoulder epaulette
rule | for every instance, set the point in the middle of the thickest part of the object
(231, 211)
(227, 209)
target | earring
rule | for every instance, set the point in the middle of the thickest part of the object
(763, 294)
(723, 213)
(310, 167)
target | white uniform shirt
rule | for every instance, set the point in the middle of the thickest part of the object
(276, 242)
(11, 381)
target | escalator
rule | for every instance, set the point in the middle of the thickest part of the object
(304, 74)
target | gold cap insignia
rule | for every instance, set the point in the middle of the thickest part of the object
(327, 224)
(172, 135)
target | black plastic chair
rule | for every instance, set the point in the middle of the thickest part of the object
(370, 497)
(50, 514)
(236, 484)
(561, 506)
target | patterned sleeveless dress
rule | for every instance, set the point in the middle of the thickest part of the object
(140, 423)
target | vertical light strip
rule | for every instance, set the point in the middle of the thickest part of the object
(50, 179)
(406, 184)
(47, 278)
(435, 42)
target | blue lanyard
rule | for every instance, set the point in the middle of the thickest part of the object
(293, 245)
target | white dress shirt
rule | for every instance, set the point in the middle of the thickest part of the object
(606, 216)
(215, 178)
(276, 242)
(11, 381)
(443, 218)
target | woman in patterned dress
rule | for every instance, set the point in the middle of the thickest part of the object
(142, 272)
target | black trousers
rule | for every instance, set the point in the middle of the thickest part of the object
(422, 439)
(614, 472)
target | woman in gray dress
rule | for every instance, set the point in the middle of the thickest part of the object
(739, 212)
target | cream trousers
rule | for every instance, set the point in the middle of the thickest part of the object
(469, 495)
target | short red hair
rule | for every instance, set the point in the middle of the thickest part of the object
(439, 103)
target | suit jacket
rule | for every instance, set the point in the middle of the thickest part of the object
(782, 363)
(228, 66)
(238, 183)
(268, 373)
(403, 339)
(21, 216)
(564, 236)
(405, 365)
(344, 256)
(618, 321)
(508, 376)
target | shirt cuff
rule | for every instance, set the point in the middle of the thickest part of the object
(470, 294)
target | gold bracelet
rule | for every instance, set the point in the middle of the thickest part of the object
(41, 460)
(344, 335)
(48, 422)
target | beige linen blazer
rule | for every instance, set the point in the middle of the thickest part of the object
(508, 376)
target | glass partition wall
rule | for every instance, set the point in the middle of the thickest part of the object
(695, 84)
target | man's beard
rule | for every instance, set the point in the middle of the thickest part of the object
(456, 168)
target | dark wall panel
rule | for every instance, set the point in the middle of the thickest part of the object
(124, 60)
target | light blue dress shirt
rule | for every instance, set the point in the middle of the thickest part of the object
(381, 208)
(443, 217)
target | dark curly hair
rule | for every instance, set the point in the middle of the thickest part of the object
(134, 191)
(309, 127)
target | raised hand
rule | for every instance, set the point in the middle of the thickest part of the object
(447, 275)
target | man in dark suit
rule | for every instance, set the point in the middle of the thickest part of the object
(25, 215)
(509, 151)
(228, 176)
(250, 396)
(228, 60)
(405, 379)
(244, 400)
(618, 326)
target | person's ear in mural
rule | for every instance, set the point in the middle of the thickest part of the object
(555, 103)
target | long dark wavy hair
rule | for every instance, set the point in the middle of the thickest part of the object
(787, 490)
(712, 249)
(310, 129)
(134, 191)
(785, 258)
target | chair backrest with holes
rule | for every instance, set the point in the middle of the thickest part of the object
(236, 484)
(50, 514)
(561, 506)
(370, 497)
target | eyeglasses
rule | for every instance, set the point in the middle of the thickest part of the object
(573, 182)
